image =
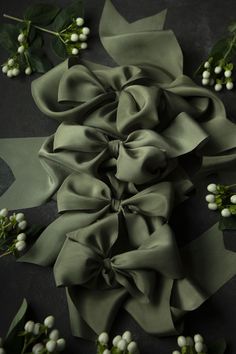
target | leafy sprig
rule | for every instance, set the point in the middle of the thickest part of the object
(24, 41)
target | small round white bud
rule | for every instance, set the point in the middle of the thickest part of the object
(176, 352)
(198, 338)
(122, 345)
(83, 37)
(49, 321)
(2, 351)
(21, 237)
(29, 326)
(225, 213)
(85, 30)
(228, 73)
(15, 72)
(28, 71)
(210, 198)
(20, 217)
(21, 49)
(106, 351)
(103, 338)
(10, 73)
(22, 225)
(233, 199)
(229, 85)
(132, 347)
(75, 51)
(61, 344)
(116, 340)
(212, 187)
(181, 340)
(20, 245)
(36, 329)
(212, 206)
(37, 348)
(218, 69)
(79, 21)
(199, 347)
(21, 37)
(54, 334)
(10, 62)
(4, 212)
(207, 64)
(218, 87)
(74, 37)
(84, 45)
(206, 74)
(127, 336)
(51, 346)
(4, 69)
(205, 82)
(189, 341)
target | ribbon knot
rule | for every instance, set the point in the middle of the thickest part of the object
(115, 205)
(114, 147)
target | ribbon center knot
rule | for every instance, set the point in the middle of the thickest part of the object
(114, 147)
(115, 204)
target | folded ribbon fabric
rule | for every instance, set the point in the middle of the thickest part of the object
(113, 168)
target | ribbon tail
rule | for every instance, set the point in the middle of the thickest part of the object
(32, 185)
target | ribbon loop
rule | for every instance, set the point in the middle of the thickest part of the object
(114, 147)
(115, 205)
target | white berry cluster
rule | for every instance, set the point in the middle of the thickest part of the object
(75, 36)
(2, 350)
(217, 75)
(191, 345)
(222, 198)
(12, 235)
(121, 344)
(42, 338)
(19, 61)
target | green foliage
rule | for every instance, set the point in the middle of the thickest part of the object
(41, 14)
(218, 347)
(59, 48)
(65, 16)
(13, 343)
(39, 64)
(8, 37)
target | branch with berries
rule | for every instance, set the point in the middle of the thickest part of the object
(24, 41)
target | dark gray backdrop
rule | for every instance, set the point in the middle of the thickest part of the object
(197, 24)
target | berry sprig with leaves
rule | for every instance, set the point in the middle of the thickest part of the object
(217, 70)
(24, 41)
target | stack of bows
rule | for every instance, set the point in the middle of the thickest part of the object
(113, 168)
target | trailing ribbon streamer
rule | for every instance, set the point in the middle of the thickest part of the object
(112, 245)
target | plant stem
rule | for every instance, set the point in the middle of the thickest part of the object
(5, 254)
(38, 27)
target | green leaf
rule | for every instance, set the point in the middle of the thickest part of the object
(41, 14)
(227, 223)
(59, 48)
(8, 37)
(13, 343)
(66, 16)
(40, 64)
(37, 43)
(222, 47)
(232, 27)
(217, 347)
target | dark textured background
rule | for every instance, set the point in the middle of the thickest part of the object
(197, 24)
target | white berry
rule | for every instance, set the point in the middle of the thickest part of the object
(106, 351)
(21, 237)
(22, 225)
(212, 187)
(20, 245)
(15, 72)
(21, 38)
(206, 74)
(4, 212)
(61, 344)
(28, 71)
(21, 49)
(51, 346)
(20, 217)
(225, 213)
(103, 338)
(218, 69)
(228, 73)
(212, 206)
(9, 73)
(176, 352)
(132, 347)
(83, 37)
(74, 37)
(127, 336)
(49, 321)
(198, 338)
(116, 340)
(218, 87)
(229, 85)
(79, 21)
(122, 345)
(207, 64)
(210, 198)
(10, 62)
(75, 51)
(205, 82)
(233, 199)
(36, 329)
(2, 351)
(84, 45)
(54, 334)
(85, 30)
(37, 348)
(4, 69)
(199, 347)
(29, 326)
(181, 340)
